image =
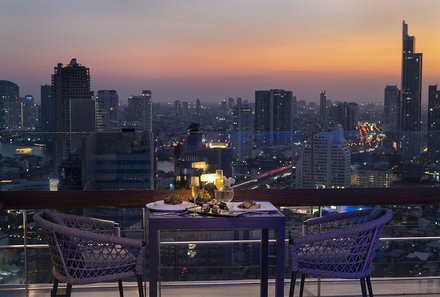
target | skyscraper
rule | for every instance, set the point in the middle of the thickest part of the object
(46, 108)
(140, 109)
(242, 131)
(73, 106)
(410, 104)
(107, 110)
(391, 109)
(273, 117)
(29, 113)
(9, 105)
(344, 113)
(323, 109)
(325, 161)
(434, 121)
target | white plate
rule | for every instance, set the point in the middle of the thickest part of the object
(265, 207)
(162, 206)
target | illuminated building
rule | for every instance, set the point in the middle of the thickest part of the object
(140, 110)
(434, 121)
(9, 106)
(391, 109)
(242, 131)
(107, 110)
(345, 114)
(325, 161)
(323, 109)
(411, 100)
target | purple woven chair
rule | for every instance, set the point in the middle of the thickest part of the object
(88, 250)
(339, 245)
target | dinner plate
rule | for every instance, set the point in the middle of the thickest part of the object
(266, 206)
(162, 206)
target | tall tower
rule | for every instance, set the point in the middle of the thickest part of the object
(273, 117)
(73, 107)
(141, 111)
(9, 106)
(107, 110)
(242, 131)
(411, 100)
(434, 121)
(325, 161)
(46, 108)
(391, 109)
(323, 109)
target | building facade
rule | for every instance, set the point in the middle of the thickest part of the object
(242, 132)
(411, 100)
(9, 106)
(107, 110)
(273, 117)
(434, 120)
(391, 109)
(325, 161)
(69, 84)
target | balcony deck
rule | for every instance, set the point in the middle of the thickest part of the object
(384, 287)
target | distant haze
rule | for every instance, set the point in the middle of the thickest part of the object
(217, 49)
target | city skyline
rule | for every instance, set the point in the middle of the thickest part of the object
(220, 49)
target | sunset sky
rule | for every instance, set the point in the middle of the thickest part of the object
(214, 49)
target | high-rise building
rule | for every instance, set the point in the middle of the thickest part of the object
(410, 104)
(177, 108)
(273, 117)
(434, 121)
(345, 114)
(46, 108)
(107, 110)
(391, 109)
(140, 111)
(29, 113)
(325, 161)
(323, 109)
(242, 139)
(9, 106)
(198, 106)
(71, 83)
(185, 108)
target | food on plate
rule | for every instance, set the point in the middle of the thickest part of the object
(173, 200)
(249, 204)
(216, 209)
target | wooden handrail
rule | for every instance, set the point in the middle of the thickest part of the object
(286, 197)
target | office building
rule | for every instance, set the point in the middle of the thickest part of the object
(273, 117)
(9, 106)
(29, 114)
(118, 161)
(434, 121)
(46, 108)
(325, 161)
(410, 104)
(323, 109)
(69, 84)
(107, 110)
(140, 111)
(242, 139)
(345, 114)
(177, 108)
(391, 109)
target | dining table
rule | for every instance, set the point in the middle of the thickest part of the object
(187, 221)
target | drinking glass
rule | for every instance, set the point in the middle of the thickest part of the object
(195, 190)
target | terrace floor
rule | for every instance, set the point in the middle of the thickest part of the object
(389, 287)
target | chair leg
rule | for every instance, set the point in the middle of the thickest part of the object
(68, 290)
(301, 289)
(292, 284)
(140, 287)
(370, 288)
(121, 289)
(53, 293)
(363, 287)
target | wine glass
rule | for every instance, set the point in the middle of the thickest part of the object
(195, 189)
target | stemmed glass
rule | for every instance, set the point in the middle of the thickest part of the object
(195, 189)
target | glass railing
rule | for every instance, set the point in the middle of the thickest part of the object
(408, 248)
